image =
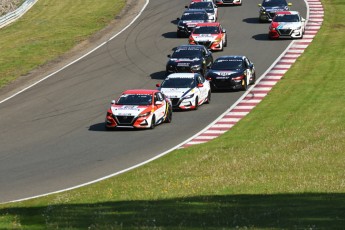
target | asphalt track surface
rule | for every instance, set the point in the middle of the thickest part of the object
(52, 135)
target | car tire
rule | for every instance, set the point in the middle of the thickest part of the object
(253, 80)
(153, 121)
(168, 119)
(226, 41)
(208, 99)
(196, 103)
(244, 85)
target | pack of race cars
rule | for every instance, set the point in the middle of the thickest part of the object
(192, 73)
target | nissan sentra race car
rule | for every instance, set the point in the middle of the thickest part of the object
(231, 72)
(188, 59)
(268, 9)
(139, 108)
(212, 35)
(287, 24)
(189, 20)
(186, 90)
(210, 7)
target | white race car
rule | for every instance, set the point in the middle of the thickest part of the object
(186, 90)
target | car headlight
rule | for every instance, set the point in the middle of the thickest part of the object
(298, 28)
(189, 96)
(195, 67)
(218, 40)
(144, 114)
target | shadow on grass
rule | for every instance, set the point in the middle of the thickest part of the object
(288, 211)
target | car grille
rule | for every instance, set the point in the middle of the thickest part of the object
(206, 44)
(124, 120)
(271, 14)
(174, 101)
(228, 1)
(223, 84)
(183, 69)
(284, 31)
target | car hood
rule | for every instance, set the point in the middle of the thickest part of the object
(184, 61)
(205, 37)
(190, 23)
(224, 74)
(286, 25)
(129, 110)
(175, 92)
(275, 8)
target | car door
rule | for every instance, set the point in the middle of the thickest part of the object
(160, 106)
(204, 89)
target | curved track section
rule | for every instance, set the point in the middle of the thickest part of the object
(52, 135)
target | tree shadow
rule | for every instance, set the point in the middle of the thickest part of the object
(277, 211)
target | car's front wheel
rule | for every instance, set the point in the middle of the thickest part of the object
(244, 85)
(168, 118)
(153, 122)
(196, 103)
(208, 100)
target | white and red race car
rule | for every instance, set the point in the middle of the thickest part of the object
(286, 24)
(212, 35)
(139, 108)
(228, 2)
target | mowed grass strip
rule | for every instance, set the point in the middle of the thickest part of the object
(48, 30)
(281, 167)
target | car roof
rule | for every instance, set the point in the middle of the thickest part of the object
(182, 75)
(208, 24)
(232, 57)
(140, 91)
(193, 11)
(287, 12)
(197, 47)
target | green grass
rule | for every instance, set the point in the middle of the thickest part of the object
(48, 30)
(281, 167)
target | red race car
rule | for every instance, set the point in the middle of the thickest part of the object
(211, 34)
(139, 108)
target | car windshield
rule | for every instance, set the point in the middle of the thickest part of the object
(135, 99)
(178, 83)
(273, 3)
(206, 30)
(186, 53)
(201, 5)
(286, 18)
(227, 64)
(194, 16)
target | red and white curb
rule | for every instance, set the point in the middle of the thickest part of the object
(265, 83)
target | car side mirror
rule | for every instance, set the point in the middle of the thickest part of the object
(169, 55)
(113, 102)
(158, 103)
(158, 85)
(200, 85)
(303, 20)
(185, 6)
(259, 5)
(178, 19)
(224, 31)
(289, 4)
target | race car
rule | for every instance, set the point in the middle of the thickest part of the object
(268, 8)
(210, 7)
(228, 2)
(287, 24)
(189, 20)
(231, 73)
(212, 35)
(186, 90)
(139, 108)
(189, 59)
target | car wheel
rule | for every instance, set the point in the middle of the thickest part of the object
(226, 41)
(208, 100)
(153, 121)
(168, 119)
(244, 85)
(253, 79)
(196, 103)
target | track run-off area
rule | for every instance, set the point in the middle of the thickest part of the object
(53, 135)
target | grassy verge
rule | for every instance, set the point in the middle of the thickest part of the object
(281, 167)
(48, 30)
